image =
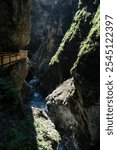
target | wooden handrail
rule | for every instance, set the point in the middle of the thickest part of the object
(10, 58)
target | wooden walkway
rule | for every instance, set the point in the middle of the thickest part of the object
(12, 58)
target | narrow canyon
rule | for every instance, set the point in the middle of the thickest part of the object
(50, 75)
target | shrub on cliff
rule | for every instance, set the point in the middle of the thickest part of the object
(8, 94)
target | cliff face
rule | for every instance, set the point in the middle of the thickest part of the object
(66, 62)
(39, 15)
(74, 104)
(49, 19)
(58, 22)
(54, 59)
(19, 73)
(15, 34)
(14, 24)
(77, 124)
(22, 127)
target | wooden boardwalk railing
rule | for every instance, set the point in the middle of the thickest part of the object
(11, 58)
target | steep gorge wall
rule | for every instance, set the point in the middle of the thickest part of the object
(19, 73)
(74, 105)
(15, 34)
(54, 59)
(22, 127)
(40, 11)
(57, 23)
(14, 24)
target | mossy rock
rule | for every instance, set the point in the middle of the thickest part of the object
(86, 69)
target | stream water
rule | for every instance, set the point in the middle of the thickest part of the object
(37, 100)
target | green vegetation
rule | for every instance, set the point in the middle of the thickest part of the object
(9, 98)
(91, 43)
(21, 128)
(87, 63)
(92, 40)
(32, 132)
(18, 134)
(45, 134)
(80, 18)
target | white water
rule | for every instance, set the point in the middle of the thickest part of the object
(37, 100)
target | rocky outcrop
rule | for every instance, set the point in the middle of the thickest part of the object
(14, 24)
(47, 136)
(76, 123)
(12, 80)
(18, 74)
(15, 34)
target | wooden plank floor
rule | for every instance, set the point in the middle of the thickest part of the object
(11, 58)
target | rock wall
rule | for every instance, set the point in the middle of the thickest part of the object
(22, 127)
(78, 124)
(74, 104)
(57, 24)
(68, 57)
(54, 63)
(19, 73)
(14, 24)
(39, 15)
(49, 19)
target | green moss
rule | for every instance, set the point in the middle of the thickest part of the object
(44, 135)
(54, 59)
(91, 41)
(86, 67)
(80, 18)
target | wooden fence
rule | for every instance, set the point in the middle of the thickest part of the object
(11, 58)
